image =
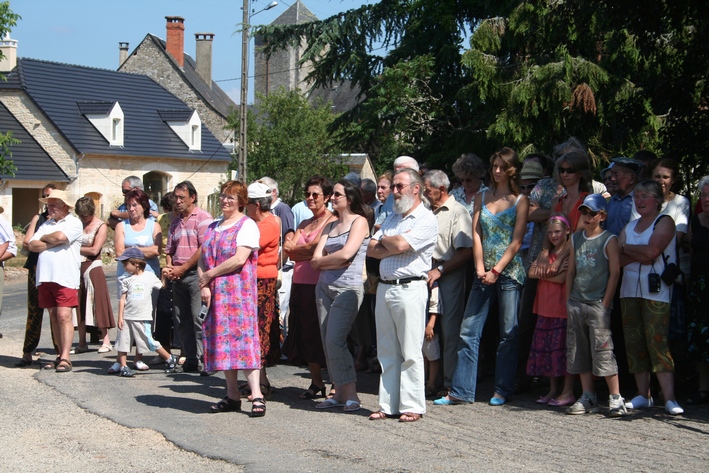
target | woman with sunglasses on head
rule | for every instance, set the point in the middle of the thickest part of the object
(339, 293)
(303, 343)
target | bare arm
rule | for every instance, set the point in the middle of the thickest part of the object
(4, 254)
(661, 236)
(30, 232)
(99, 240)
(514, 246)
(343, 257)
(538, 214)
(571, 275)
(478, 239)
(377, 250)
(459, 258)
(47, 241)
(304, 252)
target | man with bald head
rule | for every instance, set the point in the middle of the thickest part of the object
(58, 242)
(404, 244)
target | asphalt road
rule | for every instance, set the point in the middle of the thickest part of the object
(87, 420)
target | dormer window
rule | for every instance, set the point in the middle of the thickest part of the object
(107, 118)
(186, 124)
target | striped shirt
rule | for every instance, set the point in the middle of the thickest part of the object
(186, 235)
(420, 230)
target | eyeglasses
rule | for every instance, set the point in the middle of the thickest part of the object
(399, 187)
(643, 196)
(563, 170)
(228, 198)
(584, 211)
(125, 191)
(337, 194)
(314, 194)
(527, 187)
(704, 195)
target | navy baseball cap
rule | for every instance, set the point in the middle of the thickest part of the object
(595, 202)
(131, 253)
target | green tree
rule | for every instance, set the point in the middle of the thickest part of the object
(8, 19)
(289, 141)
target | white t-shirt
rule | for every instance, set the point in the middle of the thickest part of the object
(248, 235)
(6, 234)
(61, 264)
(139, 290)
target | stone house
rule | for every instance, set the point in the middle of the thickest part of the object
(86, 129)
(166, 62)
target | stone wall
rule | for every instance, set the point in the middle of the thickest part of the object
(150, 60)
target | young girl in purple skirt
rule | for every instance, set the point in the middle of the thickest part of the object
(548, 354)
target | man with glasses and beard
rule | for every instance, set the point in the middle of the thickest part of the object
(404, 244)
(121, 213)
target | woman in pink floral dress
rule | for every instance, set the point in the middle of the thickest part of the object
(227, 270)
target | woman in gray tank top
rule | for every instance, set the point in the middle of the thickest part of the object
(340, 258)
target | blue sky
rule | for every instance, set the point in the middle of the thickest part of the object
(87, 32)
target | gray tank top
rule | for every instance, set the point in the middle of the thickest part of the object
(592, 268)
(352, 274)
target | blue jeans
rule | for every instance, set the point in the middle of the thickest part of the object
(465, 378)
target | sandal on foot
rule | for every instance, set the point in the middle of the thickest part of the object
(225, 405)
(313, 392)
(328, 403)
(332, 391)
(105, 348)
(409, 417)
(379, 415)
(64, 366)
(258, 407)
(351, 406)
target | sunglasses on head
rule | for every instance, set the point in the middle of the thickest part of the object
(585, 211)
(563, 170)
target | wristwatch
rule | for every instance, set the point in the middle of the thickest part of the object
(440, 268)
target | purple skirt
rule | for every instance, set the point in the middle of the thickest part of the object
(548, 354)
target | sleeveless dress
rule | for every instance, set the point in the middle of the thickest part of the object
(303, 343)
(138, 239)
(230, 331)
(101, 302)
(698, 318)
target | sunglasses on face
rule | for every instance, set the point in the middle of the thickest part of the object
(314, 194)
(563, 170)
(337, 194)
(125, 191)
(527, 187)
(399, 187)
(584, 211)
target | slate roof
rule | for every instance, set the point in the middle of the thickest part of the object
(61, 90)
(343, 96)
(211, 94)
(32, 162)
(296, 14)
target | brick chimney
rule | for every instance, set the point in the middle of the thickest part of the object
(122, 53)
(204, 56)
(176, 38)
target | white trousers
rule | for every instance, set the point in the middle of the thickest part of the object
(401, 322)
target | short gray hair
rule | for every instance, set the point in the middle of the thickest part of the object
(369, 185)
(270, 183)
(469, 165)
(134, 181)
(406, 162)
(264, 203)
(653, 188)
(703, 182)
(437, 178)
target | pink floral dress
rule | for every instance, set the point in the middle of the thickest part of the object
(230, 331)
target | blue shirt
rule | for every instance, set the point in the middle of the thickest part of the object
(153, 208)
(619, 211)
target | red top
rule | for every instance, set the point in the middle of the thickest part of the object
(268, 254)
(551, 297)
(574, 214)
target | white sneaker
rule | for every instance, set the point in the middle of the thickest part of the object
(616, 406)
(640, 402)
(673, 408)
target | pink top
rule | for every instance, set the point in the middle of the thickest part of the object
(551, 297)
(303, 273)
(186, 235)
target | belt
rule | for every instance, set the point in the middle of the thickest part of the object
(397, 282)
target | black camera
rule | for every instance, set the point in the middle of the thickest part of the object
(671, 273)
(654, 282)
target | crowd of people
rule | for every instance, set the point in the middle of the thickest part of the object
(585, 280)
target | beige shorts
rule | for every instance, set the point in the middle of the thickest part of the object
(138, 331)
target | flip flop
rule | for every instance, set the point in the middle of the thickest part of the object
(351, 406)
(328, 403)
(52, 365)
